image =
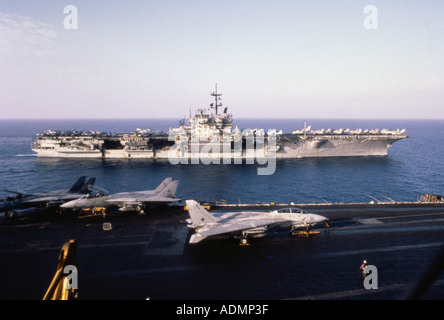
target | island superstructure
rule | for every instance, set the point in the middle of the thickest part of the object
(302, 143)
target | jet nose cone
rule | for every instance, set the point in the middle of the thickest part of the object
(68, 205)
(318, 218)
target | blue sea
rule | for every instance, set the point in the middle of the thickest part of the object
(414, 166)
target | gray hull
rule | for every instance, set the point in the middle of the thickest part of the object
(287, 146)
(334, 146)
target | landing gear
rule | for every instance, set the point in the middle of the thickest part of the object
(327, 227)
(140, 211)
(9, 214)
(244, 241)
(294, 231)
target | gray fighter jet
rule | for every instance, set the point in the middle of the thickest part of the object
(23, 200)
(127, 201)
(247, 223)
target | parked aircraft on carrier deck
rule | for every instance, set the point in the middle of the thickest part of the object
(127, 201)
(247, 223)
(22, 200)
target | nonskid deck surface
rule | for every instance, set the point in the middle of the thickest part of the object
(150, 257)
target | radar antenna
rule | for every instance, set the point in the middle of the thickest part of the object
(216, 99)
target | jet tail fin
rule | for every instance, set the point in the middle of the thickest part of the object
(78, 184)
(86, 187)
(162, 185)
(170, 190)
(198, 214)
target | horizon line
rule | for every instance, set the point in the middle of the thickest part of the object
(240, 118)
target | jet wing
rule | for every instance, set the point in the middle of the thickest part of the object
(224, 228)
(142, 200)
(134, 202)
(52, 199)
(165, 192)
(160, 199)
(126, 199)
(129, 204)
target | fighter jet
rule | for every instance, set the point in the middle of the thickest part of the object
(248, 223)
(128, 201)
(23, 200)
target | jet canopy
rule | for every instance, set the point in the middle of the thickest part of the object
(290, 210)
(97, 192)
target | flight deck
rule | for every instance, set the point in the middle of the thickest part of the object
(149, 257)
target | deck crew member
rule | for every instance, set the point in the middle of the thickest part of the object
(362, 268)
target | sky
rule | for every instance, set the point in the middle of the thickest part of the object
(270, 59)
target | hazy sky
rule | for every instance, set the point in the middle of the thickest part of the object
(280, 59)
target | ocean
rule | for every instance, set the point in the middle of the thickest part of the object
(414, 166)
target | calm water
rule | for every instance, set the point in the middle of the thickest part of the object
(413, 166)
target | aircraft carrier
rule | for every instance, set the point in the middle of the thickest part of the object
(205, 124)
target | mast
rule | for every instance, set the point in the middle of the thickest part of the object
(216, 99)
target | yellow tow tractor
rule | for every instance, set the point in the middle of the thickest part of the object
(86, 212)
(304, 233)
